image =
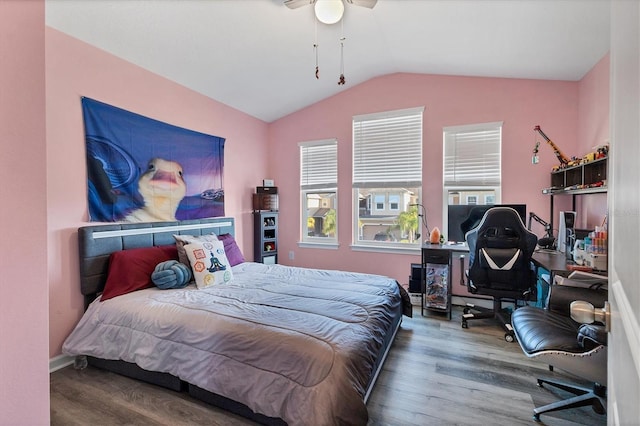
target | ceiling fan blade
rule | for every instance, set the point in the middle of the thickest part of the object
(294, 4)
(365, 3)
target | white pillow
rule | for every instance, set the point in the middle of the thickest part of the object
(183, 240)
(209, 263)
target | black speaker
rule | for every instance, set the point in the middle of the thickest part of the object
(416, 271)
(415, 279)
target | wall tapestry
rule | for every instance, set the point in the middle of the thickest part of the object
(144, 170)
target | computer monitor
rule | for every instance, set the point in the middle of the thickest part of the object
(463, 218)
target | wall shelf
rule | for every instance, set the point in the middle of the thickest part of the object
(582, 179)
(265, 244)
(585, 178)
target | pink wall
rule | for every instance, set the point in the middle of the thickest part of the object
(593, 106)
(448, 101)
(593, 130)
(24, 378)
(75, 69)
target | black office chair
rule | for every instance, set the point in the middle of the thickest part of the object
(473, 219)
(500, 250)
(552, 336)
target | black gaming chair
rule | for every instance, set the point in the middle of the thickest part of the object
(500, 250)
(552, 335)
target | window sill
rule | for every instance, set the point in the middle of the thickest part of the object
(324, 246)
(380, 249)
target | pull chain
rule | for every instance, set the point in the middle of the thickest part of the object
(341, 80)
(315, 49)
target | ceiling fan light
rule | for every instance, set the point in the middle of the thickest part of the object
(329, 11)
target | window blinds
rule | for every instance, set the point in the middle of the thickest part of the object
(319, 164)
(472, 155)
(387, 149)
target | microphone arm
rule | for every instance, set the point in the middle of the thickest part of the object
(547, 228)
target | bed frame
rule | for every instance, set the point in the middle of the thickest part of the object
(97, 242)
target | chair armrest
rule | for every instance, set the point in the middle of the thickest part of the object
(561, 296)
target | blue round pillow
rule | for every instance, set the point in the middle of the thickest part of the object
(171, 274)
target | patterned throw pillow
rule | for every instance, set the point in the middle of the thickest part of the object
(183, 240)
(209, 263)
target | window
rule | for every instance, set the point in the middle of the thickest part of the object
(394, 202)
(471, 167)
(379, 201)
(318, 183)
(387, 178)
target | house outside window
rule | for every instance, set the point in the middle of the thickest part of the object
(472, 166)
(387, 178)
(318, 190)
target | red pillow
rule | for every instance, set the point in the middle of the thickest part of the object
(130, 270)
(231, 249)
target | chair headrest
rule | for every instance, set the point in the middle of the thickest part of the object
(502, 227)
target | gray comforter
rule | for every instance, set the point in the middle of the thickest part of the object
(298, 344)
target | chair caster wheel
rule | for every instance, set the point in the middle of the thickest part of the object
(464, 324)
(466, 310)
(536, 417)
(509, 337)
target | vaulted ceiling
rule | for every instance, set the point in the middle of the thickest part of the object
(258, 56)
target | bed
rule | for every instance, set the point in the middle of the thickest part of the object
(277, 344)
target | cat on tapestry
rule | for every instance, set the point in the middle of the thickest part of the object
(162, 187)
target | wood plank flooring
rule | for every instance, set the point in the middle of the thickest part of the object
(436, 374)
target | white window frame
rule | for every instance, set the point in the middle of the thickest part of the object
(492, 182)
(387, 169)
(318, 177)
(392, 196)
(379, 206)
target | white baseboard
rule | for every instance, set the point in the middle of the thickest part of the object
(58, 362)
(485, 303)
(462, 301)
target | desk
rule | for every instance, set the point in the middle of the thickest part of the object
(441, 255)
(553, 261)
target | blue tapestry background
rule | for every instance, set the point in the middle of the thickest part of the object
(141, 169)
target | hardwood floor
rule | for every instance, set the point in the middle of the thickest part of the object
(436, 374)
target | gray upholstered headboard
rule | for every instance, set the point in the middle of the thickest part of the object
(97, 242)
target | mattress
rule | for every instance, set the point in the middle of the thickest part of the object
(293, 343)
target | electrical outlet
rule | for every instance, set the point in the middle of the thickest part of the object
(292, 255)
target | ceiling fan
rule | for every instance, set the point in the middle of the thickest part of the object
(330, 12)
(294, 4)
